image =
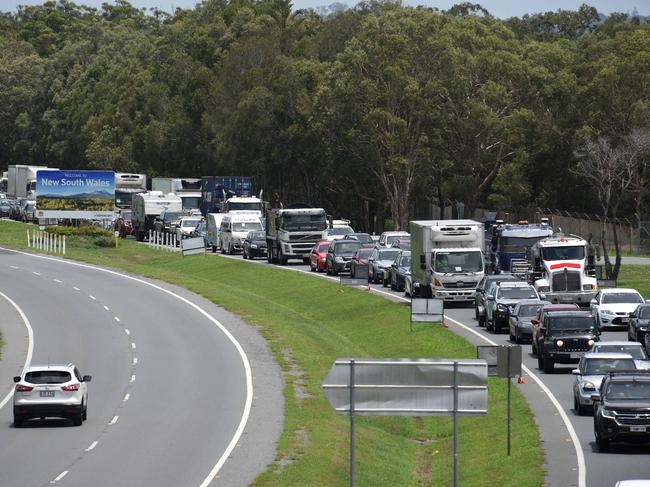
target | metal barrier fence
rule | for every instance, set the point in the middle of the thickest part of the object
(163, 241)
(49, 242)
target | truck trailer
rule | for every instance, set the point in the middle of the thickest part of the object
(188, 189)
(21, 180)
(126, 185)
(148, 206)
(216, 189)
(447, 258)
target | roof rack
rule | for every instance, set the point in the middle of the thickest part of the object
(630, 372)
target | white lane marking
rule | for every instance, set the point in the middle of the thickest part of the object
(132, 378)
(582, 469)
(92, 297)
(59, 281)
(126, 397)
(247, 368)
(133, 346)
(36, 273)
(127, 331)
(135, 360)
(116, 319)
(92, 446)
(76, 288)
(107, 308)
(14, 267)
(61, 475)
(114, 420)
(30, 344)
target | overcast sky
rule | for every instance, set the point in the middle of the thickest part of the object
(499, 8)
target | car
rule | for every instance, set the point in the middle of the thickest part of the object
(359, 263)
(184, 226)
(482, 290)
(408, 285)
(539, 319)
(591, 370)
(519, 321)
(166, 221)
(639, 323)
(201, 230)
(636, 350)
(338, 230)
(51, 391)
(339, 255)
(612, 307)
(501, 301)
(633, 483)
(254, 245)
(396, 273)
(386, 239)
(318, 256)
(621, 409)
(380, 259)
(28, 211)
(5, 207)
(364, 238)
(565, 337)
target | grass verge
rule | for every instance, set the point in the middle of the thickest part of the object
(310, 322)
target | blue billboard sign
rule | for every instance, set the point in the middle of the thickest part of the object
(75, 194)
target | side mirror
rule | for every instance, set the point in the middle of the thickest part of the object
(593, 302)
(17, 378)
(489, 297)
(87, 378)
(535, 322)
(542, 297)
(576, 372)
(595, 397)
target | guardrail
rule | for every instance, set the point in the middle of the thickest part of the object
(163, 241)
(49, 242)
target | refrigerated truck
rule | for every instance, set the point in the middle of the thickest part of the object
(21, 180)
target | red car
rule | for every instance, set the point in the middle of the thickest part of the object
(359, 261)
(537, 321)
(318, 255)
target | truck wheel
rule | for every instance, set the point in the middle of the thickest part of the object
(282, 258)
(214, 249)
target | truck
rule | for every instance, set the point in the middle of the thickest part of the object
(510, 244)
(21, 180)
(126, 185)
(188, 189)
(216, 189)
(563, 269)
(292, 232)
(447, 259)
(243, 204)
(147, 206)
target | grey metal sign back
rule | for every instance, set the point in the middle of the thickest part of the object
(353, 281)
(191, 246)
(409, 387)
(497, 359)
(427, 310)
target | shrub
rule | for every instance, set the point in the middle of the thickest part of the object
(87, 230)
(103, 241)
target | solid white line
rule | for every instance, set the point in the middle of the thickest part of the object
(247, 368)
(92, 297)
(61, 475)
(114, 420)
(30, 345)
(133, 346)
(58, 280)
(76, 288)
(127, 331)
(135, 360)
(14, 267)
(36, 273)
(116, 319)
(92, 446)
(126, 397)
(106, 308)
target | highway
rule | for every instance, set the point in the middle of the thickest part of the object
(571, 456)
(172, 388)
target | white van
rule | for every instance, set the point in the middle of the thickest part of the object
(235, 228)
(213, 230)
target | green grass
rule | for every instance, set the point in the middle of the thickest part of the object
(309, 323)
(636, 277)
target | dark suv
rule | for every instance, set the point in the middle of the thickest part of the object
(340, 254)
(482, 290)
(622, 409)
(565, 336)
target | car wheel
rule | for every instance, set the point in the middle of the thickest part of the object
(375, 278)
(603, 444)
(512, 338)
(18, 421)
(84, 415)
(328, 271)
(549, 365)
(476, 316)
(214, 249)
(77, 417)
(540, 362)
(384, 282)
(518, 338)
(578, 408)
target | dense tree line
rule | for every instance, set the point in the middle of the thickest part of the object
(376, 112)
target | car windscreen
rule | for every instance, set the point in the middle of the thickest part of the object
(171, 216)
(528, 310)
(388, 255)
(644, 312)
(563, 253)
(257, 236)
(459, 261)
(346, 248)
(516, 293)
(324, 247)
(339, 231)
(298, 222)
(246, 226)
(405, 261)
(602, 366)
(618, 298)
(363, 238)
(514, 244)
(575, 323)
(190, 223)
(628, 391)
(364, 253)
(391, 238)
(636, 351)
(47, 377)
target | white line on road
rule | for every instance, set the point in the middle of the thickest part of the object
(76, 288)
(126, 397)
(30, 344)
(92, 446)
(116, 319)
(107, 308)
(133, 346)
(58, 280)
(92, 297)
(14, 267)
(114, 420)
(36, 273)
(135, 360)
(127, 331)
(61, 475)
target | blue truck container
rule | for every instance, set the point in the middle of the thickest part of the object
(213, 187)
(510, 244)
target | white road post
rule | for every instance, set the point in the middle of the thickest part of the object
(28, 245)
(64, 245)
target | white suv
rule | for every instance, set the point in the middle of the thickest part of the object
(51, 391)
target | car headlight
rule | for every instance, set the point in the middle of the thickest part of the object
(590, 342)
(588, 287)
(608, 413)
(643, 328)
(607, 312)
(502, 307)
(559, 343)
(588, 386)
(339, 260)
(253, 246)
(322, 259)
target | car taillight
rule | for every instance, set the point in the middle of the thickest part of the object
(71, 387)
(22, 388)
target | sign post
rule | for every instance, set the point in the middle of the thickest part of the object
(407, 387)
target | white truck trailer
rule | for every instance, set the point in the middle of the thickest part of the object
(188, 189)
(292, 232)
(21, 180)
(126, 185)
(447, 258)
(147, 206)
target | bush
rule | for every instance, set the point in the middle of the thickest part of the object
(87, 230)
(61, 230)
(103, 241)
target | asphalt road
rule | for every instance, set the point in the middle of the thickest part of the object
(172, 391)
(562, 464)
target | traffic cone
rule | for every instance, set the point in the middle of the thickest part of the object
(521, 380)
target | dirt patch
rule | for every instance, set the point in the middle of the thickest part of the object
(295, 376)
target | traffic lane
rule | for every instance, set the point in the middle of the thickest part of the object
(189, 390)
(15, 350)
(66, 329)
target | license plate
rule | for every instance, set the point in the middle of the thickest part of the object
(637, 429)
(47, 393)
(577, 355)
(625, 320)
